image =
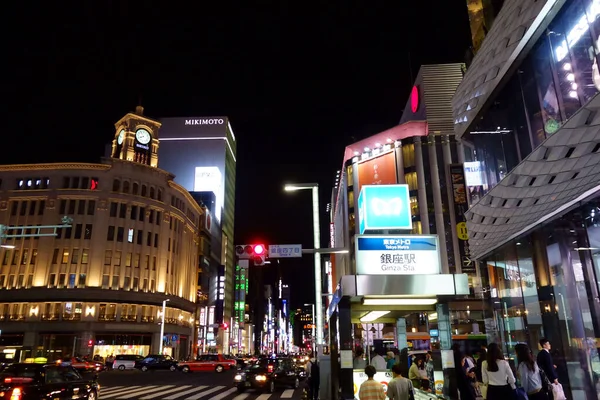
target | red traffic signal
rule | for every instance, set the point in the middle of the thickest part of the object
(259, 249)
(225, 326)
(255, 252)
(90, 343)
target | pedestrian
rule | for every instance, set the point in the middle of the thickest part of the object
(390, 360)
(359, 360)
(497, 375)
(429, 367)
(371, 389)
(544, 360)
(462, 380)
(378, 361)
(529, 374)
(399, 388)
(109, 362)
(313, 374)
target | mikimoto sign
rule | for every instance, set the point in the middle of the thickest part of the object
(397, 255)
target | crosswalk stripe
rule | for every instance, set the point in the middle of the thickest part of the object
(117, 392)
(155, 395)
(264, 396)
(287, 394)
(205, 393)
(224, 394)
(241, 396)
(173, 397)
(110, 388)
(141, 392)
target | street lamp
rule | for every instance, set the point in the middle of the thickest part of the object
(317, 245)
(162, 327)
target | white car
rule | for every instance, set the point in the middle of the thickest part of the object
(126, 361)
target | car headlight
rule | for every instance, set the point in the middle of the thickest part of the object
(261, 378)
(237, 378)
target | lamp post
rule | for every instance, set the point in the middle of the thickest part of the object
(162, 327)
(314, 187)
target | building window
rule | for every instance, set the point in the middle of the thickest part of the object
(146, 261)
(152, 191)
(110, 235)
(75, 182)
(72, 204)
(127, 283)
(68, 232)
(136, 260)
(123, 210)
(85, 255)
(158, 216)
(113, 209)
(52, 280)
(65, 184)
(154, 263)
(41, 207)
(55, 256)
(149, 239)
(125, 187)
(32, 208)
(29, 281)
(115, 282)
(71, 283)
(78, 229)
(61, 280)
(156, 240)
(128, 260)
(151, 217)
(136, 188)
(15, 259)
(63, 207)
(117, 258)
(88, 232)
(14, 208)
(65, 256)
(160, 195)
(120, 233)
(34, 254)
(81, 207)
(75, 258)
(136, 284)
(85, 183)
(140, 237)
(25, 257)
(82, 279)
(116, 185)
(23, 210)
(144, 190)
(91, 207)
(105, 281)
(94, 182)
(130, 235)
(142, 214)
(107, 257)
(133, 214)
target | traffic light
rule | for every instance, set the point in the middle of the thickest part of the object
(90, 343)
(255, 252)
(225, 326)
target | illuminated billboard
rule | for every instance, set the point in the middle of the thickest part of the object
(378, 171)
(383, 207)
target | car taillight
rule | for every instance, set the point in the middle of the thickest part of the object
(17, 394)
(270, 368)
(17, 380)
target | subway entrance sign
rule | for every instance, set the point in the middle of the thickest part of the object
(397, 255)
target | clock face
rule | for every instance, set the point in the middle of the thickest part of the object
(121, 136)
(143, 136)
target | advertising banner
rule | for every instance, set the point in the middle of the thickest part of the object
(384, 207)
(378, 171)
(397, 255)
(459, 193)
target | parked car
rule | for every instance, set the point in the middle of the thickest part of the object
(156, 361)
(268, 374)
(207, 362)
(82, 365)
(126, 361)
(39, 382)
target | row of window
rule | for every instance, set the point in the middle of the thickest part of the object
(124, 187)
(22, 208)
(16, 257)
(136, 213)
(76, 182)
(77, 233)
(73, 256)
(82, 207)
(114, 258)
(32, 183)
(118, 233)
(105, 311)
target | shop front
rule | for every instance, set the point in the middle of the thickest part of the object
(545, 284)
(379, 313)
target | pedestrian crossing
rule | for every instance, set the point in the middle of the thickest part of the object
(191, 392)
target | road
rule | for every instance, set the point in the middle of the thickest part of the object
(167, 385)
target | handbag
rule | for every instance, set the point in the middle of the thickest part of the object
(557, 392)
(546, 384)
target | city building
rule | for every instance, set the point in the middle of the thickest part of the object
(201, 153)
(98, 286)
(527, 114)
(304, 327)
(482, 14)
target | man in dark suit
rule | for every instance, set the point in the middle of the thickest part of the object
(544, 361)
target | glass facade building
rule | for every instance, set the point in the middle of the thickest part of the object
(525, 114)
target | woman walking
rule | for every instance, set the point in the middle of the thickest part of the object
(529, 374)
(497, 375)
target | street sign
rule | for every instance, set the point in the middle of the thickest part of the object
(244, 264)
(285, 250)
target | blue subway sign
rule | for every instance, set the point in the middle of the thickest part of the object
(384, 207)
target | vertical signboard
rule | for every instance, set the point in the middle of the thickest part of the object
(219, 305)
(459, 193)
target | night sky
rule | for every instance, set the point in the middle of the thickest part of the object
(299, 81)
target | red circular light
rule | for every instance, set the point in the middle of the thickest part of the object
(259, 249)
(414, 99)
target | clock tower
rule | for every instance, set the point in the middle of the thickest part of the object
(136, 138)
